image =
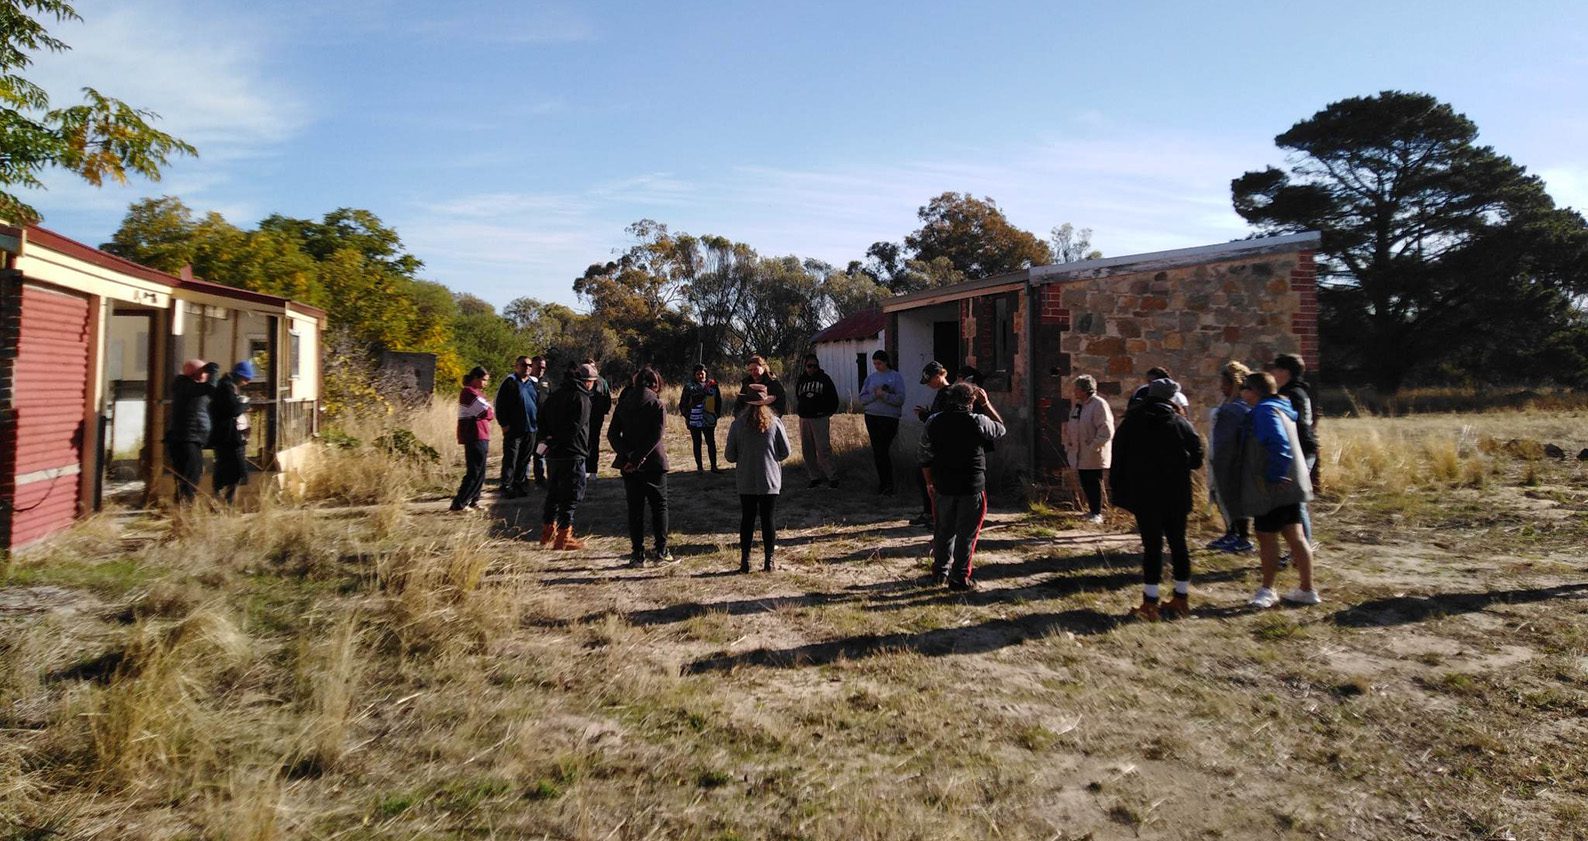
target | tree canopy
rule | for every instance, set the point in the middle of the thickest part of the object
(101, 138)
(1434, 246)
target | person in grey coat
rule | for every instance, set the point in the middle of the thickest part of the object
(757, 442)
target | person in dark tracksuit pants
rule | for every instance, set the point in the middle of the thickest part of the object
(190, 427)
(636, 435)
(517, 407)
(474, 433)
(229, 436)
(565, 433)
(953, 458)
(600, 405)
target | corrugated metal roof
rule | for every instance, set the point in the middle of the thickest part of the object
(861, 325)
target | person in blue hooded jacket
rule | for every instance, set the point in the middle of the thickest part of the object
(517, 410)
(1273, 485)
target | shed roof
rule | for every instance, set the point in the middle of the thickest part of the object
(860, 325)
(1107, 266)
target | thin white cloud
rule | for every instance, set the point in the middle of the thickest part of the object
(524, 23)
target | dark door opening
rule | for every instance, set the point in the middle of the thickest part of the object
(945, 346)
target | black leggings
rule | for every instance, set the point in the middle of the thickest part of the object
(881, 429)
(1155, 525)
(749, 506)
(709, 435)
(1092, 486)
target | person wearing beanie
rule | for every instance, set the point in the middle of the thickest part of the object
(882, 400)
(189, 428)
(474, 433)
(229, 431)
(1155, 452)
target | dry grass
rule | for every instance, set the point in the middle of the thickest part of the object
(396, 671)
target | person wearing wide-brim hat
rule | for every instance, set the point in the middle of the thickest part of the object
(757, 442)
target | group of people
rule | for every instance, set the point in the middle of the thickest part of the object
(209, 410)
(1263, 459)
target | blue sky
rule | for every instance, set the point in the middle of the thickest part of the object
(511, 142)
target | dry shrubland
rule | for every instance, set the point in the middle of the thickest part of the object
(394, 671)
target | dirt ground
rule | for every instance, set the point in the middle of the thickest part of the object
(1440, 691)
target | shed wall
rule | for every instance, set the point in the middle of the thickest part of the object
(44, 466)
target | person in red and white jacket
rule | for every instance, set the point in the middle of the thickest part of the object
(474, 433)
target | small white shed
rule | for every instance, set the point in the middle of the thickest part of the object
(845, 349)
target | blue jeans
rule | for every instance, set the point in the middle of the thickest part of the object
(564, 490)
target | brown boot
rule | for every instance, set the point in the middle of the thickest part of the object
(547, 533)
(1178, 607)
(1147, 612)
(566, 540)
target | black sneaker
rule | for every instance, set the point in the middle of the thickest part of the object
(962, 585)
(921, 520)
(636, 559)
(663, 556)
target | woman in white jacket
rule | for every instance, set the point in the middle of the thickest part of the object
(1086, 442)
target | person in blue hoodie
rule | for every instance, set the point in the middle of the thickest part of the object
(517, 405)
(1273, 485)
(882, 399)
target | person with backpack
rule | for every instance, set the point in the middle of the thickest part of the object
(1288, 371)
(700, 404)
(1274, 485)
(1155, 451)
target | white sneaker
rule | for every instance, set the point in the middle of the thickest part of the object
(1263, 598)
(1300, 596)
(1095, 519)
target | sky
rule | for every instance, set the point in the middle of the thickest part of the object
(510, 143)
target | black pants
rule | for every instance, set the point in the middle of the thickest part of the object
(187, 463)
(1154, 524)
(516, 450)
(1092, 487)
(641, 488)
(231, 470)
(882, 430)
(751, 506)
(475, 454)
(564, 490)
(593, 461)
(709, 436)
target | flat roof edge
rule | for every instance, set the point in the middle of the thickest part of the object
(1177, 257)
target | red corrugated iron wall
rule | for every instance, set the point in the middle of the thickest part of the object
(43, 470)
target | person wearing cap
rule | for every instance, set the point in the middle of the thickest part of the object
(229, 430)
(935, 377)
(474, 433)
(637, 438)
(882, 400)
(817, 401)
(189, 428)
(517, 410)
(1288, 371)
(1086, 442)
(600, 406)
(757, 443)
(756, 372)
(565, 433)
(953, 458)
(700, 403)
(1155, 451)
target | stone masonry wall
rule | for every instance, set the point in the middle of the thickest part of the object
(1189, 320)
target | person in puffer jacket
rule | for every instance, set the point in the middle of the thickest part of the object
(474, 433)
(190, 426)
(1273, 485)
(1155, 451)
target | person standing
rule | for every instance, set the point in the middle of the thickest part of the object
(600, 405)
(636, 436)
(1288, 370)
(537, 378)
(882, 400)
(1224, 456)
(700, 404)
(474, 433)
(1182, 404)
(935, 377)
(817, 401)
(1274, 484)
(757, 443)
(1086, 442)
(953, 458)
(1155, 451)
(229, 431)
(190, 426)
(565, 433)
(517, 409)
(756, 373)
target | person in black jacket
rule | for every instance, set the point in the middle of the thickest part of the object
(818, 400)
(565, 433)
(189, 429)
(755, 371)
(600, 406)
(953, 459)
(1288, 370)
(1155, 452)
(636, 436)
(517, 410)
(229, 431)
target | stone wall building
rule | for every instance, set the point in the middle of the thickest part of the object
(1031, 332)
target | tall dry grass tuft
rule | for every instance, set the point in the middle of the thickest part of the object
(382, 458)
(249, 809)
(149, 722)
(1368, 457)
(430, 590)
(330, 669)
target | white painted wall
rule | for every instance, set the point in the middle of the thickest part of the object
(838, 360)
(915, 350)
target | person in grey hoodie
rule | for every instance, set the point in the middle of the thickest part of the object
(1274, 484)
(882, 399)
(757, 442)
